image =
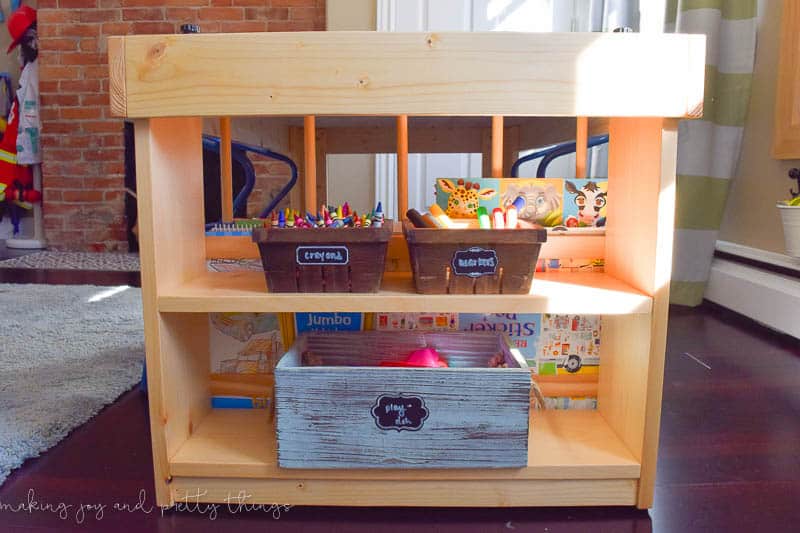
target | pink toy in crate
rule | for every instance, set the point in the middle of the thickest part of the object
(424, 358)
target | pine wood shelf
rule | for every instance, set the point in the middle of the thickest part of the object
(641, 84)
(240, 443)
(570, 293)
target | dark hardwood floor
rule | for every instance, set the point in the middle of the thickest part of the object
(729, 458)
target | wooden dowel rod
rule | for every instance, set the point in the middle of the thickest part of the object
(497, 146)
(310, 166)
(226, 169)
(581, 146)
(402, 166)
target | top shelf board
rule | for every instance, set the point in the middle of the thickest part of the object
(385, 74)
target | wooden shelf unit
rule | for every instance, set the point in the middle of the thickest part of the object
(644, 83)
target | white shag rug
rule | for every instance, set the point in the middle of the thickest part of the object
(66, 351)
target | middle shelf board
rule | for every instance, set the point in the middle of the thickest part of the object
(573, 444)
(560, 293)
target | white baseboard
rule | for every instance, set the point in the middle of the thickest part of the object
(766, 297)
(773, 258)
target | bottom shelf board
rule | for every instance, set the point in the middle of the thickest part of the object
(273, 495)
(563, 445)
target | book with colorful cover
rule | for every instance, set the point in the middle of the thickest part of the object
(554, 346)
(244, 348)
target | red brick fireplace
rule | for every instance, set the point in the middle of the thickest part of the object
(83, 148)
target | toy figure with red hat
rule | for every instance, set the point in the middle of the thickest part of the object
(19, 146)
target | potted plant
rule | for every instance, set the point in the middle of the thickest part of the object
(790, 214)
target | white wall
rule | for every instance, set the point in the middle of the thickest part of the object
(751, 218)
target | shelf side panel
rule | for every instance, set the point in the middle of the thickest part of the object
(169, 178)
(390, 74)
(639, 236)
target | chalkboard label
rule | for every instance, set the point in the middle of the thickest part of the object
(399, 412)
(322, 255)
(474, 262)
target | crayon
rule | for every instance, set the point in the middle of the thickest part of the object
(345, 209)
(328, 219)
(347, 221)
(377, 218)
(483, 218)
(356, 220)
(366, 220)
(497, 217)
(339, 212)
(519, 203)
(511, 217)
(281, 219)
(274, 222)
(441, 216)
(415, 218)
(431, 222)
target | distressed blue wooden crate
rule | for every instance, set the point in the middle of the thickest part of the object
(336, 408)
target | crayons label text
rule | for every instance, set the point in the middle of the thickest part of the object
(474, 262)
(322, 255)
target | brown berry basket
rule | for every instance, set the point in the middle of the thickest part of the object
(473, 261)
(323, 260)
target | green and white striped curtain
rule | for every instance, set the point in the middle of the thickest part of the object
(708, 149)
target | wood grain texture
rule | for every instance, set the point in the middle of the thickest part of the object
(517, 493)
(336, 73)
(551, 292)
(467, 493)
(639, 237)
(365, 250)
(116, 65)
(434, 253)
(786, 134)
(402, 164)
(310, 165)
(240, 443)
(475, 417)
(570, 244)
(581, 146)
(226, 168)
(169, 166)
(497, 147)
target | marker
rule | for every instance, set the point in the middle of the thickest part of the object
(483, 218)
(281, 219)
(431, 222)
(511, 217)
(415, 218)
(497, 217)
(441, 216)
